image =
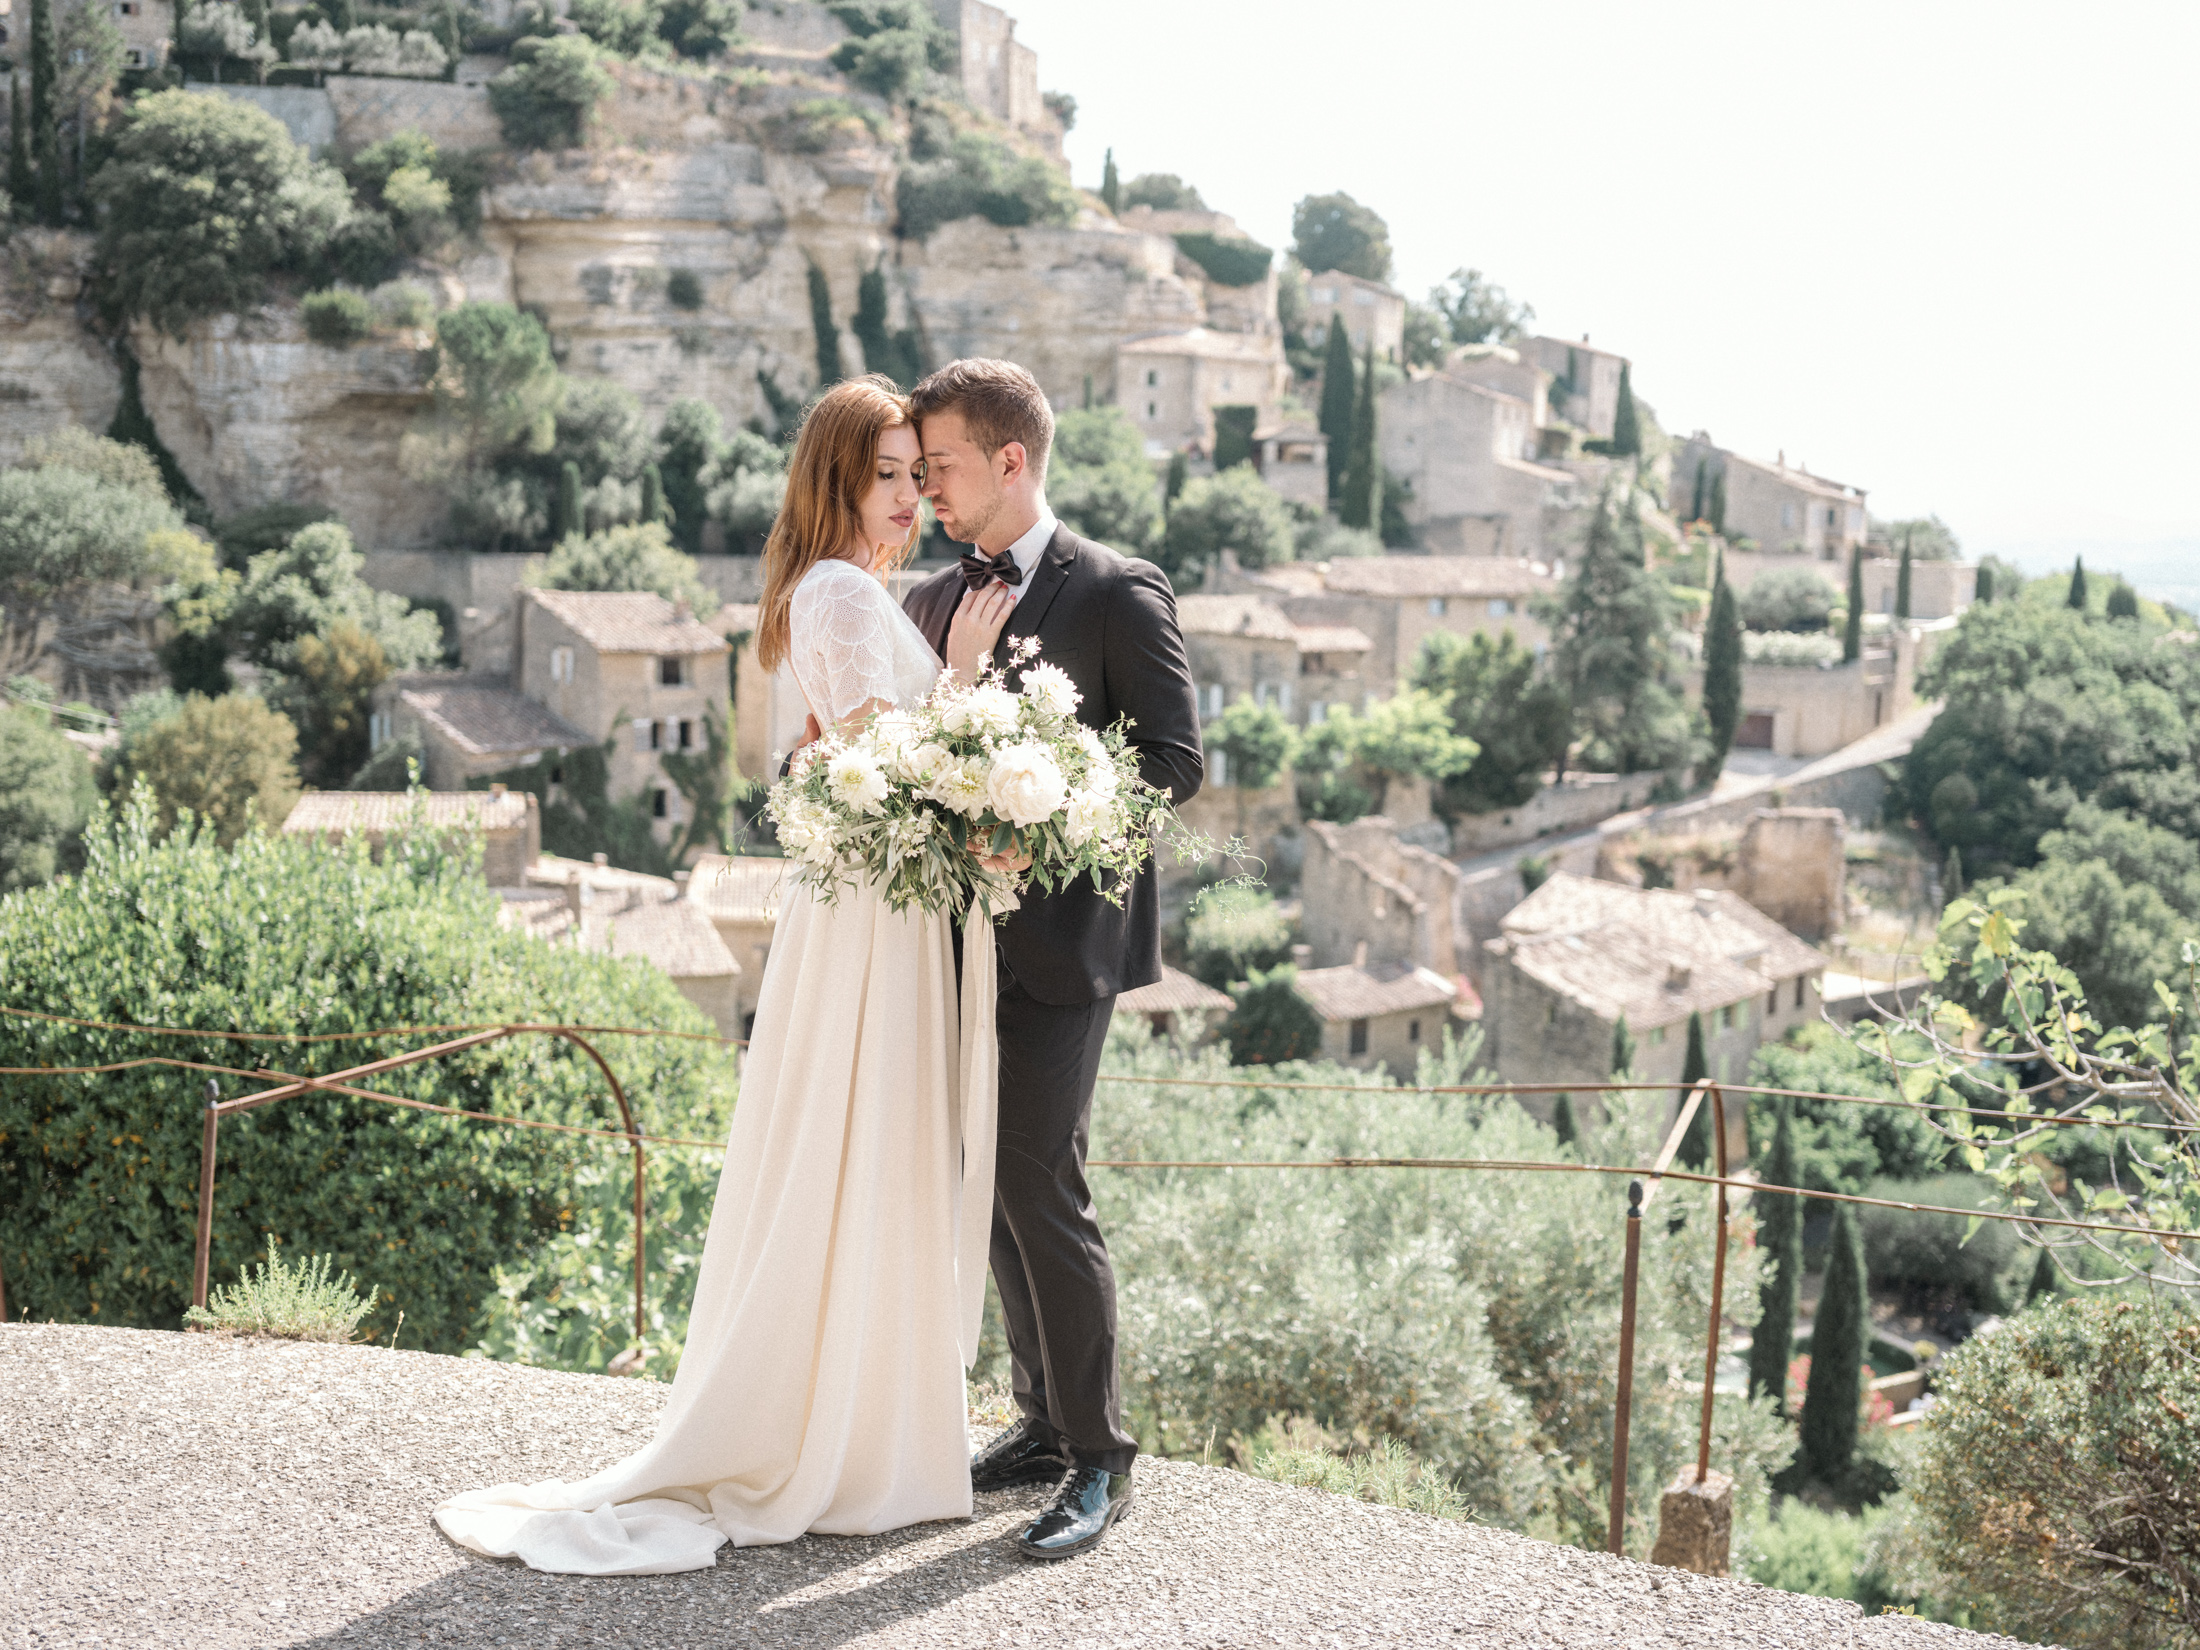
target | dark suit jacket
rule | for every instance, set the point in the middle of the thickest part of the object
(1110, 623)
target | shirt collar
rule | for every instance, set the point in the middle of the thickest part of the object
(1028, 549)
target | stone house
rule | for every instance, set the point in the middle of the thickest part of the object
(1363, 892)
(999, 73)
(630, 914)
(1382, 1014)
(508, 823)
(1577, 954)
(1176, 1005)
(1503, 368)
(1294, 460)
(1171, 383)
(1784, 508)
(1584, 387)
(1371, 311)
(1246, 647)
(467, 724)
(1789, 863)
(1468, 450)
(1815, 710)
(742, 895)
(148, 27)
(1938, 589)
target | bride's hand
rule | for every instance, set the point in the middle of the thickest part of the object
(976, 627)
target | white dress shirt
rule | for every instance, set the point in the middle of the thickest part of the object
(1028, 549)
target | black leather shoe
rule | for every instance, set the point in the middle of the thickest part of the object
(1078, 1518)
(1018, 1456)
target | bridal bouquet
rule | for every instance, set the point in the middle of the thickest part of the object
(912, 799)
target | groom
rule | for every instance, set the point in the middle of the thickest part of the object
(1110, 622)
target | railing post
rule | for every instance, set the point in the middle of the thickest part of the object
(1718, 1290)
(1615, 1539)
(206, 1194)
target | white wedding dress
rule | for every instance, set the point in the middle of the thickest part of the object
(837, 1303)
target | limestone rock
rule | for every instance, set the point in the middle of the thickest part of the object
(1696, 1523)
(52, 371)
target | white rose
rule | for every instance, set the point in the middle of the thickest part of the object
(1049, 687)
(960, 784)
(982, 711)
(1026, 785)
(1089, 812)
(856, 781)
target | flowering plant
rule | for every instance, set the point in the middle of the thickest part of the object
(913, 798)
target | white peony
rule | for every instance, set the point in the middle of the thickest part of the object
(920, 763)
(982, 711)
(1089, 812)
(857, 781)
(960, 784)
(1026, 785)
(1049, 687)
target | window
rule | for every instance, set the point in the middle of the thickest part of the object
(1500, 607)
(1413, 1031)
(645, 734)
(378, 730)
(1152, 411)
(1798, 991)
(1153, 378)
(1657, 1036)
(668, 672)
(1436, 607)
(1787, 517)
(1357, 1037)
(1210, 699)
(1366, 300)
(561, 664)
(687, 734)
(1325, 295)
(128, 8)
(1218, 767)
(1829, 515)
(657, 804)
(1317, 713)
(1772, 1000)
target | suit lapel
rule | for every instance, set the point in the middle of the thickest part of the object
(1047, 580)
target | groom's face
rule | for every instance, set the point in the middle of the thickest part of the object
(967, 485)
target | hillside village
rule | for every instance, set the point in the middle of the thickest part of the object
(730, 239)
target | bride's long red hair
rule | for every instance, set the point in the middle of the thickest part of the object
(835, 464)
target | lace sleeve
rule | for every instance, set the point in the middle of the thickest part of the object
(841, 630)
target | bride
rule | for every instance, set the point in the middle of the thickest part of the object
(821, 1388)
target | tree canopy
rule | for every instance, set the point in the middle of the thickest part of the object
(311, 585)
(46, 794)
(1501, 700)
(636, 557)
(1337, 232)
(1101, 483)
(230, 762)
(1235, 510)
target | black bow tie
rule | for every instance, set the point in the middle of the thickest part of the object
(978, 571)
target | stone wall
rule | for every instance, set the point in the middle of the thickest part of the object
(369, 108)
(308, 113)
(1581, 800)
(1790, 863)
(1362, 886)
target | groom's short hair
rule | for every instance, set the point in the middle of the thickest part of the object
(999, 403)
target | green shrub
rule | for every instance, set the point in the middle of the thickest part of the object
(229, 762)
(338, 318)
(1271, 1022)
(1233, 930)
(291, 1304)
(1302, 1452)
(46, 795)
(1235, 510)
(639, 557)
(981, 175)
(1928, 1259)
(684, 289)
(1806, 1549)
(2057, 1475)
(162, 254)
(547, 99)
(1788, 598)
(99, 1175)
(1228, 262)
(404, 304)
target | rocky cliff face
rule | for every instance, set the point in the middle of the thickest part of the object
(52, 371)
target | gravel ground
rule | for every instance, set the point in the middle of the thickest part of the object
(201, 1491)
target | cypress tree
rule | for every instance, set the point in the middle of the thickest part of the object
(1718, 503)
(1626, 427)
(1336, 408)
(1902, 582)
(654, 507)
(1695, 503)
(1623, 1049)
(20, 182)
(2076, 598)
(869, 324)
(1852, 633)
(1951, 874)
(1985, 592)
(828, 335)
(1562, 1121)
(570, 523)
(1722, 672)
(1180, 470)
(2043, 1282)
(2123, 601)
(1111, 186)
(1696, 1143)
(45, 119)
(1363, 473)
(1835, 1390)
(1780, 1240)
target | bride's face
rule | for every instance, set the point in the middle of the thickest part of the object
(889, 509)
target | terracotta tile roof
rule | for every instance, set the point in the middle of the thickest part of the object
(626, 621)
(737, 619)
(1407, 577)
(381, 811)
(1801, 480)
(552, 871)
(486, 715)
(1363, 991)
(1330, 638)
(739, 888)
(627, 920)
(1174, 993)
(1654, 955)
(1254, 616)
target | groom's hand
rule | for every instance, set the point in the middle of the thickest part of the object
(810, 734)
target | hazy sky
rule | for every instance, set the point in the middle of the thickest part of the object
(1945, 252)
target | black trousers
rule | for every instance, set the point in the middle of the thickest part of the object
(1050, 1263)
